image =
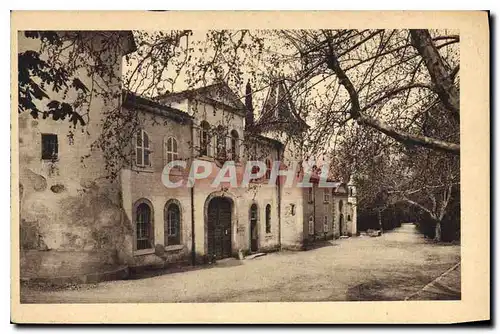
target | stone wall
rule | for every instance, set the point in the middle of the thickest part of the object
(67, 204)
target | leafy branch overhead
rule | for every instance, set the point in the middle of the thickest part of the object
(46, 78)
(383, 105)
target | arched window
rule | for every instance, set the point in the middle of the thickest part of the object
(144, 225)
(170, 148)
(268, 218)
(349, 217)
(311, 225)
(268, 169)
(172, 217)
(142, 150)
(234, 145)
(204, 138)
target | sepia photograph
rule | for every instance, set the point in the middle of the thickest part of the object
(226, 165)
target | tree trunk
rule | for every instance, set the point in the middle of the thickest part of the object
(441, 77)
(437, 234)
(379, 214)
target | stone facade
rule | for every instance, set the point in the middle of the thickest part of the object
(136, 220)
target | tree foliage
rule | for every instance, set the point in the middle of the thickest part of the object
(383, 104)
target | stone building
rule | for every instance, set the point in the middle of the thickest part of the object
(70, 213)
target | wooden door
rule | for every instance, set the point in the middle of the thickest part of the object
(254, 230)
(219, 228)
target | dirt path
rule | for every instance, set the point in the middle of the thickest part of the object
(391, 267)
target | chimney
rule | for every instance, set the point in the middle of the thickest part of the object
(249, 118)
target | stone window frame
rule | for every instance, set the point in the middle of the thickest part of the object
(150, 237)
(172, 150)
(205, 139)
(143, 147)
(166, 240)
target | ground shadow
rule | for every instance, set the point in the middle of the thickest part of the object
(146, 272)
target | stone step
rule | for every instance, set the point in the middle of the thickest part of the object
(253, 256)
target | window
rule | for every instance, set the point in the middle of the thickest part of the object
(170, 147)
(142, 150)
(341, 204)
(144, 226)
(325, 224)
(234, 145)
(204, 138)
(220, 142)
(253, 213)
(310, 195)
(351, 192)
(311, 225)
(349, 217)
(49, 146)
(292, 209)
(268, 169)
(326, 196)
(172, 231)
(268, 218)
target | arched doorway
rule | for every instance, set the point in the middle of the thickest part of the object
(254, 229)
(219, 228)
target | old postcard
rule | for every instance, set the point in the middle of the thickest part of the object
(250, 167)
